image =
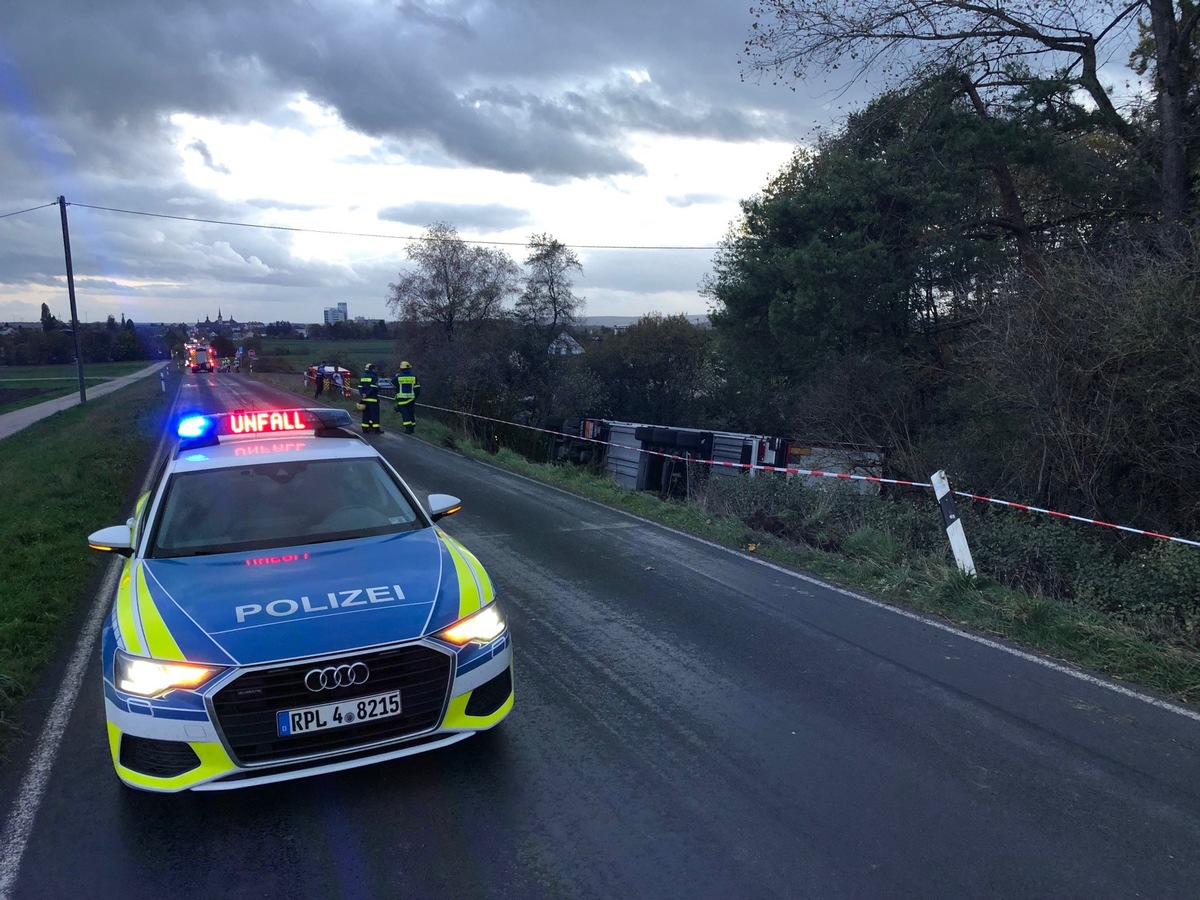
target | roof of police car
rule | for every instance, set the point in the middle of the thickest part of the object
(259, 449)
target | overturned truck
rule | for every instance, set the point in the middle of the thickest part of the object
(645, 457)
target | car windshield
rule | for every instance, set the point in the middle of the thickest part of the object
(278, 505)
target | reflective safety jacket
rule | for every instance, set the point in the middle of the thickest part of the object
(407, 387)
(368, 388)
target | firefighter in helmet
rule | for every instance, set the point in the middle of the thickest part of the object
(368, 396)
(408, 389)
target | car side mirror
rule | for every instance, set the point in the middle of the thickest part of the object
(114, 539)
(441, 505)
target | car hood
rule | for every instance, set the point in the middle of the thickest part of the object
(291, 602)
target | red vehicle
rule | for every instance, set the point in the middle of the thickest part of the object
(202, 359)
(337, 378)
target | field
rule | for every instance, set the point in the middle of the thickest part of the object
(22, 386)
(295, 356)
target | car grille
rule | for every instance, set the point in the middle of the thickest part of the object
(246, 707)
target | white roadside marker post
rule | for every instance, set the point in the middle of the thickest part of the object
(954, 526)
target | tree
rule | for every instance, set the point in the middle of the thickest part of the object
(547, 304)
(96, 345)
(224, 347)
(1097, 374)
(546, 308)
(49, 323)
(657, 370)
(998, 48)
(455, 284)
(1169, 50)
(175, 337)
(871, 244)
(126, 345)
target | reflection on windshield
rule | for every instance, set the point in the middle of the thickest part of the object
(279, 504)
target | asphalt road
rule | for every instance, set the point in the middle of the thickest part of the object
(689, 722)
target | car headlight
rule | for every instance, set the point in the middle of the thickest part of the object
(153, 678)
(483, 626)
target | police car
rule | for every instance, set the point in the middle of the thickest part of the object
(288, 608)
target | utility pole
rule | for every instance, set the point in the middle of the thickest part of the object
(62, 209)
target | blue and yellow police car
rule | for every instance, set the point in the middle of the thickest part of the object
(288, 608)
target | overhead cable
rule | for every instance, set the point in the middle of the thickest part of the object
(31, 209)
(392, 237)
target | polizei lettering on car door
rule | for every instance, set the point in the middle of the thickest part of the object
(281, 609)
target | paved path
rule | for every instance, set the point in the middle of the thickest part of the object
(11, 423)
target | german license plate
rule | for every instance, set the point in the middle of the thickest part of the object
(336, 715)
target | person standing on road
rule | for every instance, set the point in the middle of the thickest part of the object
(368, 396)
(408, 389)
(320, 380)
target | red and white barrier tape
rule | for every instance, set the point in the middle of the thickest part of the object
(1062, 515)
(815, 473)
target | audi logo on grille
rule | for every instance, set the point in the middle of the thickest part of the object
(337, 676)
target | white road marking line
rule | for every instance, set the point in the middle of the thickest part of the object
(33, 786)
(908, 614)
(600, 527)
(19, 825)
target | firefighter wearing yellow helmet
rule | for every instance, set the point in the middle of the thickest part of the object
(368, 395)
(408, 389)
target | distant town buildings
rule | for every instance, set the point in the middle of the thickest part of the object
(335, 314)
(228, 327)
(221, 320)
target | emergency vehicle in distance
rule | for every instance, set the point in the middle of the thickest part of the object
(315, 620)
(201, 358)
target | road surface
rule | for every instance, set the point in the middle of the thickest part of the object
(690, 722)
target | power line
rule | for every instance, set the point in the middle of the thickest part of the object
(31, 209)
(392, 237)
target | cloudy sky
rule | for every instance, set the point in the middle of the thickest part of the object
(606, 123)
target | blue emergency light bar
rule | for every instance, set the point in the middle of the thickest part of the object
(205, 430)
(193, 427)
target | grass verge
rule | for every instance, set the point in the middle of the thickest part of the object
(22, 386)
(61, 479)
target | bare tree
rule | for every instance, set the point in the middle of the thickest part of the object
(455, 284)
(997, 46)
(548, 304)
(1096, 376)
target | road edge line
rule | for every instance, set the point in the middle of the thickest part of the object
(18, 826)
(1062, 668)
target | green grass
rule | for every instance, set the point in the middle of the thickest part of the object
(91, 371)
(61, 479)
(22, 386)
(295, 356)
(14, 398)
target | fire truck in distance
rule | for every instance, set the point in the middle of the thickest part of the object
(201, 359)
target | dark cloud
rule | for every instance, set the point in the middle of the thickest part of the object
(556, 90)
(535, 87)
(463, 216)
(281, 205)
(202, 148)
